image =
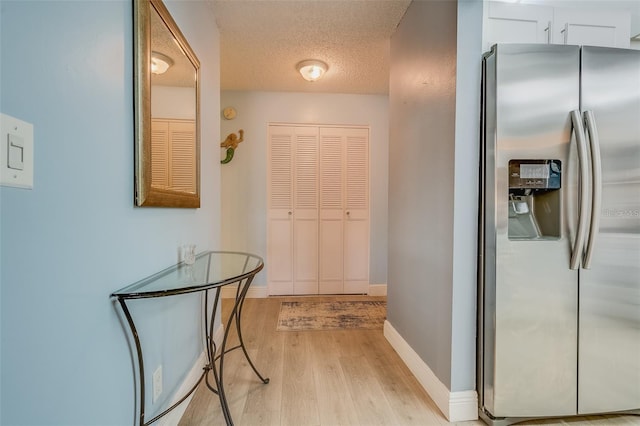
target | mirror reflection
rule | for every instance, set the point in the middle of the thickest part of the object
(173, 112)
(167, 167)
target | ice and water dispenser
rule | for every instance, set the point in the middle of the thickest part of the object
(534, 199)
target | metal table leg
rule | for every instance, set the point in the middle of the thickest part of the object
(218, 371)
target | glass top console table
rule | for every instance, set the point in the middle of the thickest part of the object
(210, 272)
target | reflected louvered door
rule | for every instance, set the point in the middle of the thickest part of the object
(280, 210)
(305, 212)
(173, 154)
(331, 211)
(160, 153)
(356, 224)
(182, 155)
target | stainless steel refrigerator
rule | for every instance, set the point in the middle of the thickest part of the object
(559, 246)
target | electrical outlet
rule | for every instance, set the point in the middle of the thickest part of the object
(157, 383)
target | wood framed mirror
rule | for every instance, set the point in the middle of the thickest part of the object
(166, 111)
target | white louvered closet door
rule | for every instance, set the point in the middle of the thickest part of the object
(332, 160)
(344, 210)
(280, 210)
(305, 212)
(318, 220)
(356, 224)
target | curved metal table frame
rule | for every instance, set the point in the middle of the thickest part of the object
(200, 278)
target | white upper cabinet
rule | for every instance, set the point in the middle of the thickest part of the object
(518, 23)
(591, 27)
(534, 23)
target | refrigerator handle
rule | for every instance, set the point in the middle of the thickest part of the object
(581, 143)
(596, 187)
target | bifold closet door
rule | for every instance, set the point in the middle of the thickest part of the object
(292, 240)
(331, 280)
(344, 210)
(318, 213)
(356, 217)
(280, 211)
(305, 211)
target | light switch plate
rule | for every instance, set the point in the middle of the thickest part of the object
(16, 152)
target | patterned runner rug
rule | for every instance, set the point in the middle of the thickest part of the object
(336, 315)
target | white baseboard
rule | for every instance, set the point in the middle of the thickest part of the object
(174, 416)
(259, 292)
(377, 290)
(456, 406)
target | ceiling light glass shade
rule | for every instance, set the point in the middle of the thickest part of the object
(312, 70)
(160, 63)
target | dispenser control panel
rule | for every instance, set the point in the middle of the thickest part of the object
(534, 174)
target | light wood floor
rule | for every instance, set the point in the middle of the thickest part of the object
(326, 378)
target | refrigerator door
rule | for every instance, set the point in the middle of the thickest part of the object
(609, 319)
(529, 340)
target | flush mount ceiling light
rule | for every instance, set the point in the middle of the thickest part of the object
(160, 63)
(312, 70)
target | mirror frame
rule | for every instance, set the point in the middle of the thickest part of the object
(145, 195)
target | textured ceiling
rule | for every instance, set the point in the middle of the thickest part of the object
(263, 40)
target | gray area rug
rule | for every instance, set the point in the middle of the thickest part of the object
(337, 315)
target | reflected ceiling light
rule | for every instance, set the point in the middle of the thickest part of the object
(160, 63)
(312, 69)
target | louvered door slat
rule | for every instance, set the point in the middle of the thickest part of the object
(280, 196)
(357, 172)
(159, 154)
(306, 172)
(183, 157)
(331, 172)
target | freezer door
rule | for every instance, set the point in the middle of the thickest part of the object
(530, 294)
(609, 319)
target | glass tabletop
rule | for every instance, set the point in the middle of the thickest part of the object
(211, 269)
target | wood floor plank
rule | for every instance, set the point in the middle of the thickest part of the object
(372, 406)
(299, 398)
(336, 407)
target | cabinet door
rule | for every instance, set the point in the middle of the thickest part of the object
(280, 211)
(591, 27)
(305, 212)
(356, 224)
(331, 211)
(517, 23)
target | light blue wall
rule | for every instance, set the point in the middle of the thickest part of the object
(465, 212)
(433, 150)
(244, 179)
(67, 244)
(422, 106)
